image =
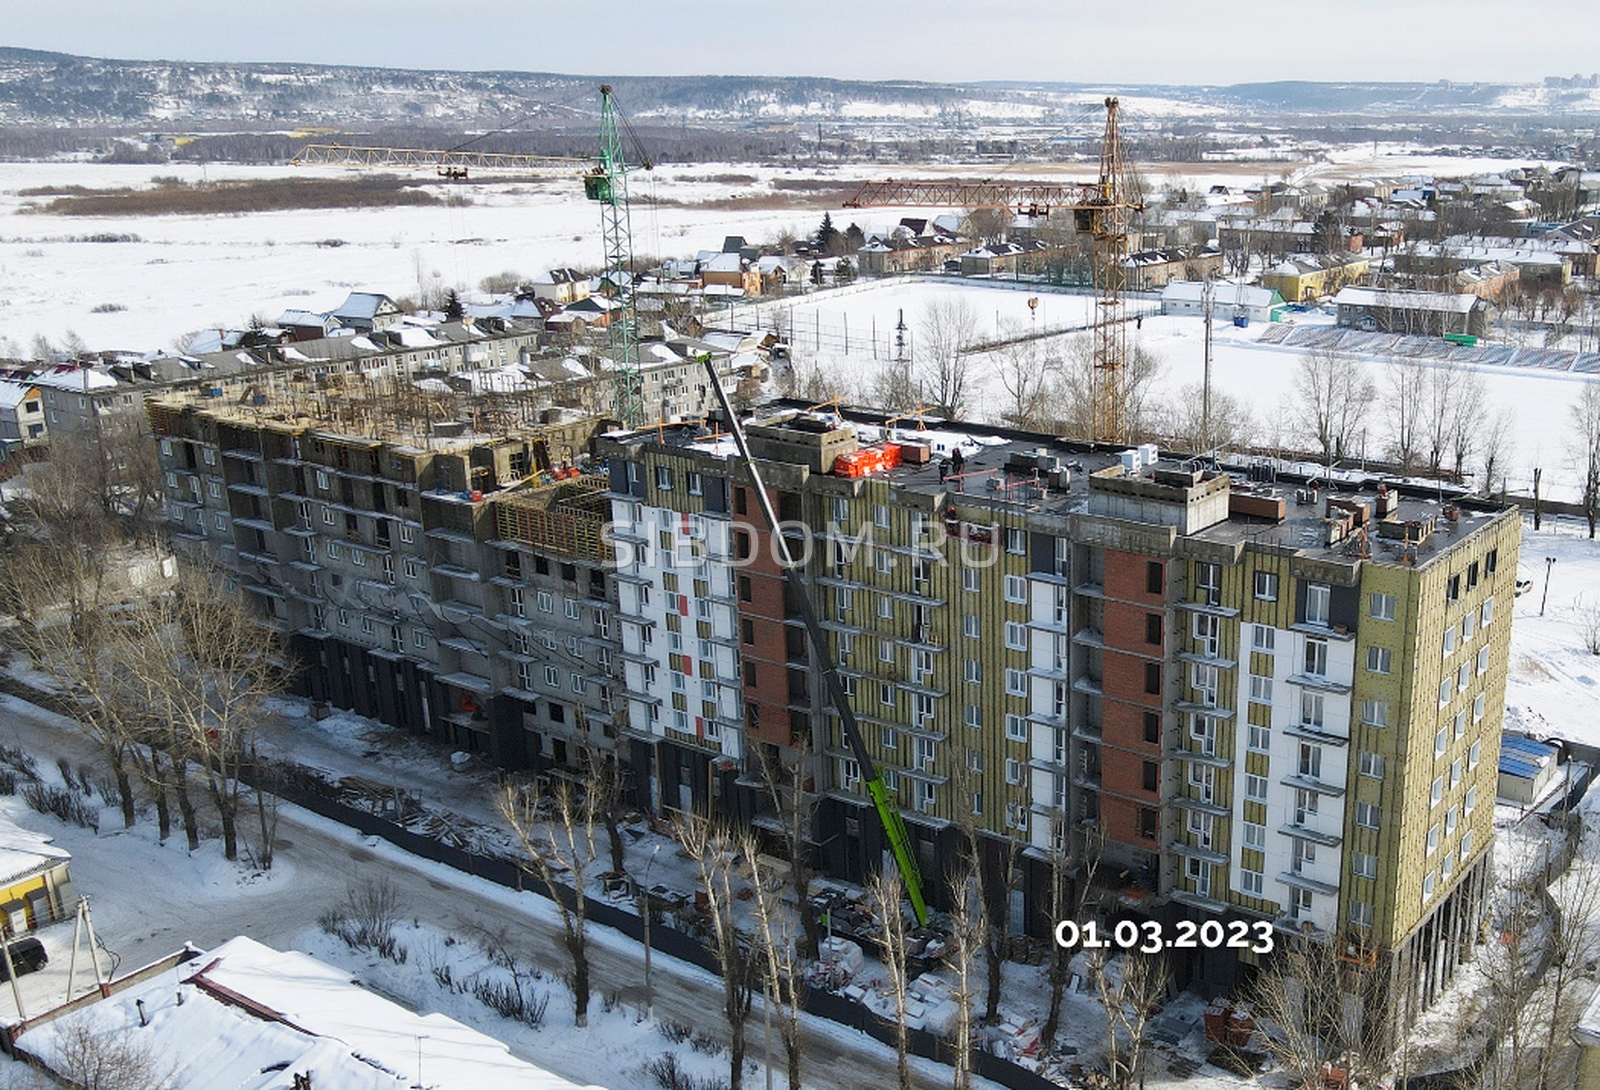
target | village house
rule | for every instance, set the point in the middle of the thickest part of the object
(1228, 301)
(1148, 270)
(561, 286)
(22, 419)
(367, 311)
(1305, 277)
(1414, 312)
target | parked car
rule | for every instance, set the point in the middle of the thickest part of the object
(27, 954)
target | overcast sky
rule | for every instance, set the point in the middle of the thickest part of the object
(1157, 41)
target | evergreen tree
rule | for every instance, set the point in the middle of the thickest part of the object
(816, 273)
(854, 238)
(828, 237)
(844, 272)
(453, 310)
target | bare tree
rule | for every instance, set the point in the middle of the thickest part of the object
(102, 1058)
(563, 850)
(1322, 1009)
(795, 809)
(1130, 997)
(1072, 385)
(989, 225)
(1495, 447)
(885, 892)
(1331, 398)
(1585, 415)
(947, 329)
(716, 858)
(1405, 380)
(1024, 372)
(781, 965)
(1065, 904)
(968, 935)
(1231, 426)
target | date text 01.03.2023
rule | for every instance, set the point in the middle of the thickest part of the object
(1150, 936)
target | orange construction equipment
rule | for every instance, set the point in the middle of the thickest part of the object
(873, 459)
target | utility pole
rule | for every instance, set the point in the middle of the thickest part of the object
(1549, 562)
(1205, 396)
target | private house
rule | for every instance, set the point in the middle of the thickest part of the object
(904, 253)
(731, 271)
(306, 325)
(560, 286)
(367, 311)
(1414, 312)
(1546, 262)
(1004, 259)
(1305, 277)
(34, 886)
(22, 419)
(1228, 301)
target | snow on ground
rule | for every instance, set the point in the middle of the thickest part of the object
(851, 332)
(1554, 687)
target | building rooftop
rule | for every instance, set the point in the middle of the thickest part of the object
(1267, 504)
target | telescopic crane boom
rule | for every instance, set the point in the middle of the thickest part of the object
(894, 826)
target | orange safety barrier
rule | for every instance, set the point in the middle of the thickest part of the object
(859, 463)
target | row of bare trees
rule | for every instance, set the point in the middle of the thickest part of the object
(168, 678)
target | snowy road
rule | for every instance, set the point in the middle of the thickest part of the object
(149, 900)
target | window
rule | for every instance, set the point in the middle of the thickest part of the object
(1255, 836)
(970, 627)
(1258, 739)
(1441, 739)
(696, 483)
(1477, 707)
(1464, 676)
(880, 516)
(883, 561)
(1452, 818)
(1013, 771)
(366, 626)
(1255, 788)
(1428, 880)
(1203, 678)
(1148, 819)
(1152, 776)
(1318, 596)
(1483, 659)
(889, 738)
(1267, 586)
(1251, 882)
(356, 555)
(1466, 626)
(335, 550)
(973, 671)
(1367, 815)
(1436, 791)
(219, 520)
(1155, 577)
(1452, 589)
(885, 607)
(885, 650)
(1375, 713)
(1360, 914)
(1381, 606)
(1372, 765)
(343, 617)
(1311, 710)
(1433, 839)
(1208, 583)
(1444, 692)
(1466, 845)
(975, 760)
(1017, 682)
(1152, 677)
(405, 533)
(1016, 588)
(1207, 634)
(1263, 638)
(1458, 726)
(970, 579)
(924, 755)
(1486, 614)
(1363, 865)
(886, 694)
(1310, 760)
(1316, 660)
(1260, 689)
(1450, 641)
(664, 478)
(569, 606)
(1378, 660)
(973, 716)
(1016, 636)
(1152, 727)
(1471, 799)
(1152, 629)
(1473, 754)
(1016, 542)
(925, 796)
(849, 773)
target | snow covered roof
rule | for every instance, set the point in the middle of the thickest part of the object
(362, 304)
(13, 394)
(253, 1017)
(1405, 300)
(1193, 291)
(77, 379)
(303, 318)
(23, 853)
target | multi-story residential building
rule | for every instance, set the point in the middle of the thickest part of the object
(1256, 702)
(429, 575)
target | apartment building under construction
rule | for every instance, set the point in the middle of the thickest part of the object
(1253, 698)
(1268, 700)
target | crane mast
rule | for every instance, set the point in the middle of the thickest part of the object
(607, 183)
(1101, 210)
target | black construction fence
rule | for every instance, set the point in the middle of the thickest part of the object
(296, 785)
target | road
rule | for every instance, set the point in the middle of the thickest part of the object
(316, 860)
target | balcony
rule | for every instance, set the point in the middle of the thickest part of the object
(1088, 637)
(1314, 836)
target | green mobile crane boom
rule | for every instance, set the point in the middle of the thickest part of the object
(894, 826)
(607, 183)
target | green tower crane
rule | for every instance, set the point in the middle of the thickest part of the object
(607, 183)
